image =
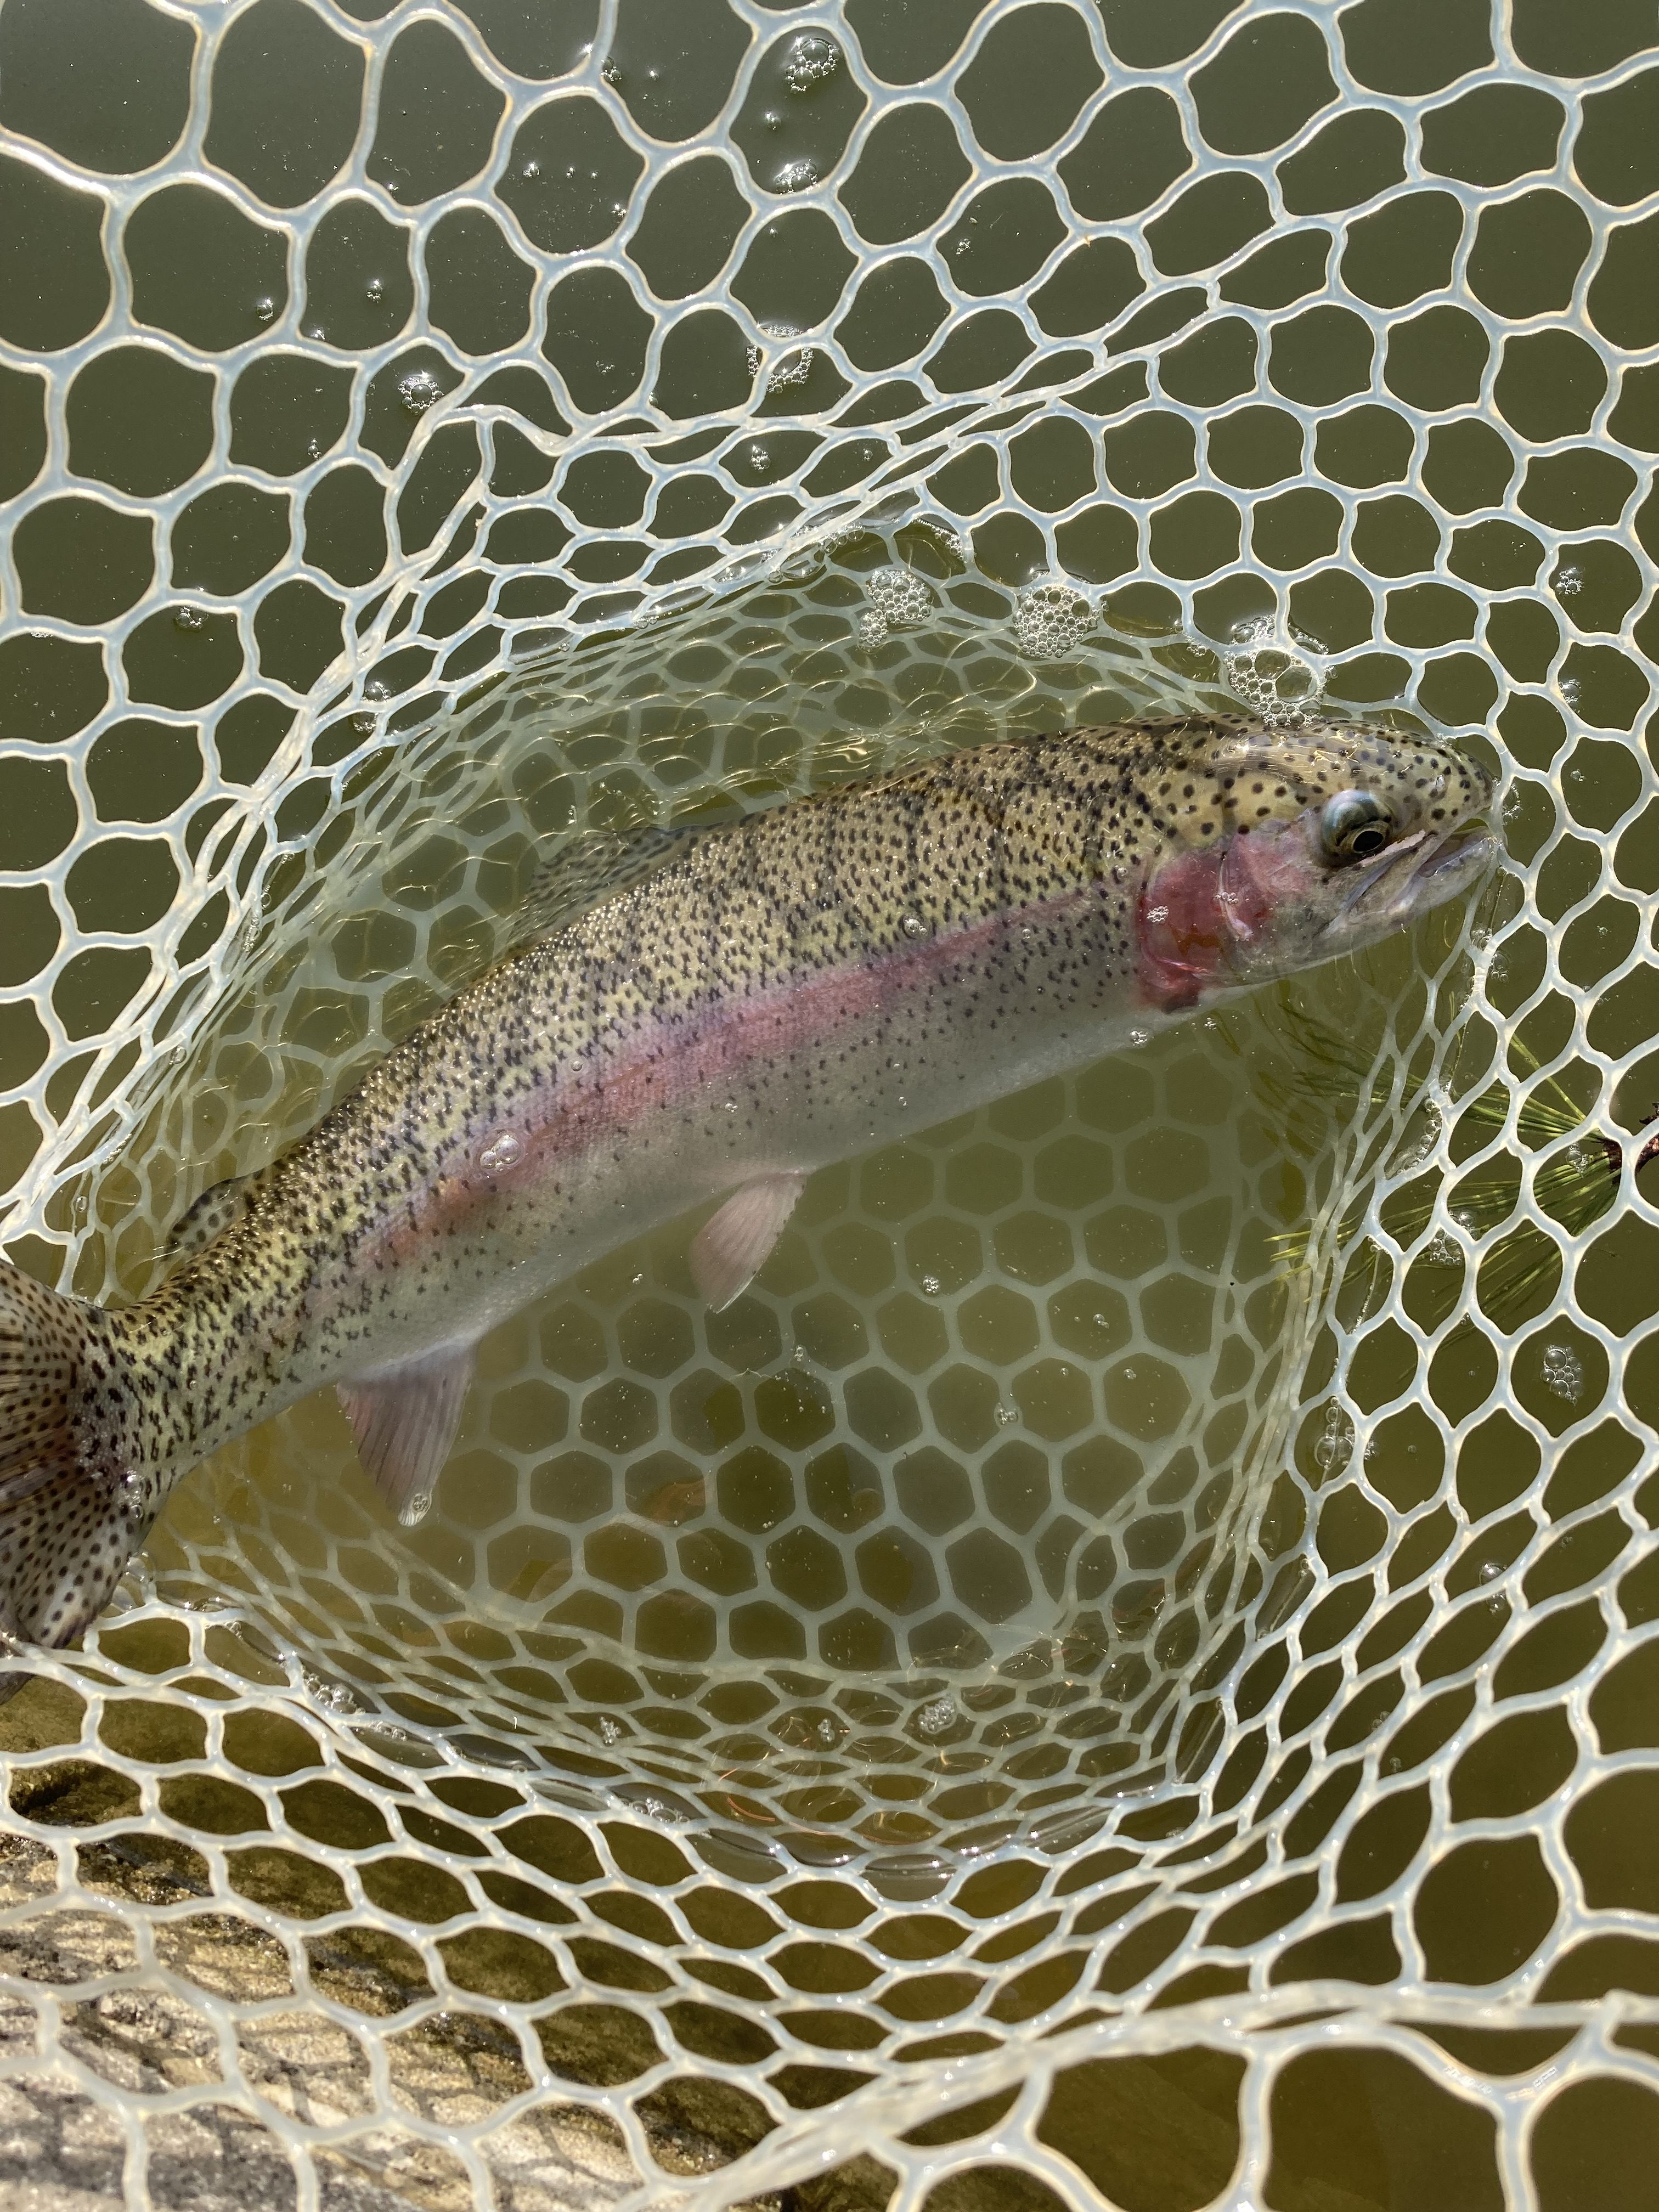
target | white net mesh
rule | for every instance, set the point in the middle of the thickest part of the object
(1118, 1670)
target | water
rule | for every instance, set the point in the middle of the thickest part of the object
(1422, 461)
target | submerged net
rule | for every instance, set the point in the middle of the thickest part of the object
(1118, 1669)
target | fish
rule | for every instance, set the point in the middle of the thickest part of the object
(726, 1012)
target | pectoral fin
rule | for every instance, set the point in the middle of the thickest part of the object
(732, 1245)
(404, 1422)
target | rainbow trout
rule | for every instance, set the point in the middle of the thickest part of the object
(769, 997)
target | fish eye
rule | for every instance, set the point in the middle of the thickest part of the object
(1355, 826)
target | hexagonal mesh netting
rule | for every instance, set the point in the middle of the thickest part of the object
(1118, 1670)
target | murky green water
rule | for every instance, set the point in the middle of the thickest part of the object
(948, 1532)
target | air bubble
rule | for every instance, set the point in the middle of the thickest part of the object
(1335, 1440)
(419, 390)
(1269, 676)
(912, 925)
(795, 176)
(794, 367)
(330, 1697)
(187, 618)
(812, 61)
(661, 1809)
(375, 290)
(898, 597)
(935, 1718)
(1563, 1372)
(265, 308)
(1420, 1140)
(503, 1151)
(931, 1286)
(1050, 619)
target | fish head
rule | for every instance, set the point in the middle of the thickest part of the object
(1275, 850)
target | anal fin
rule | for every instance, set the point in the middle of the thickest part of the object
(404, 1422)
(732, 1245)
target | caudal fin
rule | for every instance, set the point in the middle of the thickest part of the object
(72, 1515)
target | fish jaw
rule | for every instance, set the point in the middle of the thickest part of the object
(1411, 879)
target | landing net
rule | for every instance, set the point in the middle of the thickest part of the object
(1118, 1671)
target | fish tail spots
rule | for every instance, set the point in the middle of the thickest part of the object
(71, 1512)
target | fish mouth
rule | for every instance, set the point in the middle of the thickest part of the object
(1419, 872)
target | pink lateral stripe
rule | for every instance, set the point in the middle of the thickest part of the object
(668, 1061)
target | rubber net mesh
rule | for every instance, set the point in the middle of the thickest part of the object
(1119, 1670)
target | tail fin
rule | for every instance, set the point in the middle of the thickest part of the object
(72, 1515)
